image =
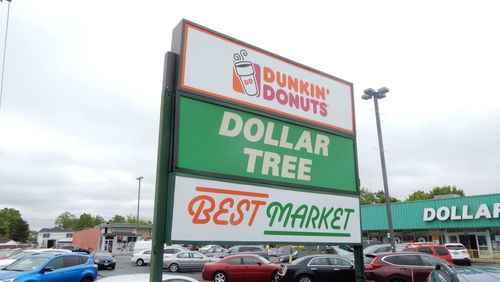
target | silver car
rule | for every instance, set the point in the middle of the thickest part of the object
(186, 261)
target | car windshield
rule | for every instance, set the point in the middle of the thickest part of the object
(299, 260)
(23, 254)
(455, 247)
(6, 252)
(26, 264)
(103, 255)
(264, 260)
(371, 248)
(342, 252)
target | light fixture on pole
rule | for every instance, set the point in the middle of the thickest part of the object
(376, 95)
(138, 202)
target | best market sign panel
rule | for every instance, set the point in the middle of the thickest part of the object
(207, 210)
(222, 67)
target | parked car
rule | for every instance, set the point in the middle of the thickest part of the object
(73, 248)
(449, 274)
(206, 247)
(459, 253)
(141, 258)
(243, 267)
(144, 256)
(439, 251)
(381, 248)
(104, 259)
(337, 250)
(319, 268)
(214, 251)
(144, 277)
(402, 266)
(186, 261)
(142, 245)
(7, 253)
(246, 249)
(30, 252)
(51, 267)
(288, 258)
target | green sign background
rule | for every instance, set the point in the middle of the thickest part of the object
(200, 147)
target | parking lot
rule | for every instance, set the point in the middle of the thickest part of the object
(124, 266)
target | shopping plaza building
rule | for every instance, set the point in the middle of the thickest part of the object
(473, 221)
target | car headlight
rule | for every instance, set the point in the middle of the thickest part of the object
(96, 260)
(8, 280)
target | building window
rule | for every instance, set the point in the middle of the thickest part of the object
(46, 235)
(69, 235)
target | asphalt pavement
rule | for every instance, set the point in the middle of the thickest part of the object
(125, 266)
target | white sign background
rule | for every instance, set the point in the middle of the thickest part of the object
(208, 68)
(183, 229)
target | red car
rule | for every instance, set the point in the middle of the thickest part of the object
(7, 253)
(402, 266)
(244, 267)
(439, 251)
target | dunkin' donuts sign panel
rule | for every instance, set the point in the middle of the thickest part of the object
(221, 67)
(205, 209)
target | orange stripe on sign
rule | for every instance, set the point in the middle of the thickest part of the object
(231, 192)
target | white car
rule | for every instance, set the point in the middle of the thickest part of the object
(144, 257)
(206, 247)
(141, 258)
(5, 262)
(459, 253)
(144, 277)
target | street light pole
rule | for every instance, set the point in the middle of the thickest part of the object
(376, 95)
(138, 203)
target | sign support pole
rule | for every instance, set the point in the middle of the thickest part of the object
(359, 263)
(164, 167)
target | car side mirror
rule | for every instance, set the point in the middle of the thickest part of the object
(438, 267)
(47, 269)
(259, 263)
(351, 267)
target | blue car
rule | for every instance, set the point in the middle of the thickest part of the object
(51, 267)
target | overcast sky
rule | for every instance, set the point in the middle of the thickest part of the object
(80, 108)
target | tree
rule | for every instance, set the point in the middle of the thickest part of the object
(7, 217)
(444, 190)
(373, 198)
(66, 220)
(86, 221)
(98, 220)
(118, 219)
(19, 230)
(418, 195)
(133, 219)
(366, 197)
(435, 191)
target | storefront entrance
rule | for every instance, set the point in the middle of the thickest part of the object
(476, 242)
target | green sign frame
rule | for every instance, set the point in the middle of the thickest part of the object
(259, 148)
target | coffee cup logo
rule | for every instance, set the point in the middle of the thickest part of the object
(246, 73)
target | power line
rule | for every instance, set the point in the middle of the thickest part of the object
(4, 51)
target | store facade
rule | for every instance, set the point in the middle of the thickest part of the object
(473, 221)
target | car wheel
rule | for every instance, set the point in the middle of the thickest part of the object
(220, 277)
(274, 277)
(86, 279)
(305, 278)
(140, 262)
(174, 267)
